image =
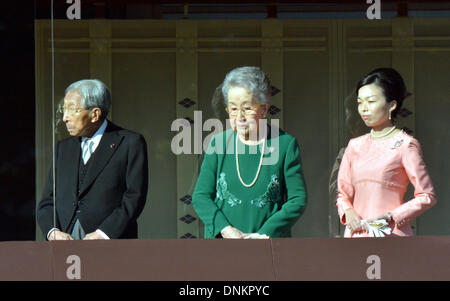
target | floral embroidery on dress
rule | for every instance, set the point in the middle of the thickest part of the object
(223, 193)
(272, 193)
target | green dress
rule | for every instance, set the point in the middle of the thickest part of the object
(271, 206)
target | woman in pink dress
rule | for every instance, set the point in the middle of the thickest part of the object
(377, 167)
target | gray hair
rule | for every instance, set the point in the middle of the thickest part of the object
(252, 79)
(94, 94)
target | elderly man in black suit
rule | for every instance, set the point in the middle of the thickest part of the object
(101, 172)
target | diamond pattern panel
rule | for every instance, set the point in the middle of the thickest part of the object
(187, 103)
(187, 199)
(273, 110)
(187, 219)
(274, 90)
(188, 236)
(404, 112)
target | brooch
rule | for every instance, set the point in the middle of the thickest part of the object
(397, 144)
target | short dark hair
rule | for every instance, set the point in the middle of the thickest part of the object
(392, 84)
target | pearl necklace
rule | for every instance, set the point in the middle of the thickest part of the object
(259, 167)
(382, 135)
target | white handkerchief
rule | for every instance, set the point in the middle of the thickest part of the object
(256, 236)
(377, 228)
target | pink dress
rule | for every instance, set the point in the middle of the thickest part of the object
(374, 176)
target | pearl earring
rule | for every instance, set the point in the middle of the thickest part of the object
(389, 115)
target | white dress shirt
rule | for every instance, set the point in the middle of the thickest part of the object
(94, 140)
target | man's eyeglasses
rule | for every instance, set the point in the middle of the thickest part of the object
(72, 111)
(247, 110)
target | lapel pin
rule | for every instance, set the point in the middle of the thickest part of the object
(112, 145)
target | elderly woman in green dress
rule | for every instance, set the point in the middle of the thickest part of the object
(242, 192)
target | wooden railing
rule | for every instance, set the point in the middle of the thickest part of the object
(372, 259)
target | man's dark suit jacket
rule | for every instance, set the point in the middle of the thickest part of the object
(114, 189)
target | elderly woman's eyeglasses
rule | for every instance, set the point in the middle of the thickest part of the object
(247, 110)
(72, 111)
